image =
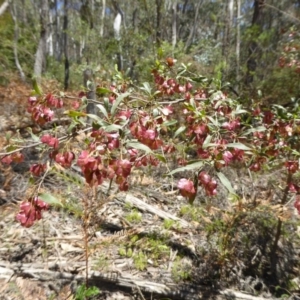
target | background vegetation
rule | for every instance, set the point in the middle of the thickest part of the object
(252, 44)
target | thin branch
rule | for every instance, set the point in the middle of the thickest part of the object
(283, 12)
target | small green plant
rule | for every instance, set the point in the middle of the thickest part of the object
(155, 247)
(125, 252)
(102, 263)
(134, 217)
(83, 292)
(191, 212)
(140, 260)
(168, 223)
(181, 270)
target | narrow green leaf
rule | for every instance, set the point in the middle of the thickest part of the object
(199, 79)
(238, 146)
(160, 157)
(112, 127)
(101, 91)
(239, 110)
(169, 123)
(50, 199)
(256, 129)
(215, 122)
(226, 183)
(74, 113)
(179, 131)
(119, 99)
(36, 87)
(146, 87)
(206, 142)
(139, 146)
(194, 165)
(34, 137)
(96, 118)
(103, 110)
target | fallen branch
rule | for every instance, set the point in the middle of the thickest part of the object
(189, 292)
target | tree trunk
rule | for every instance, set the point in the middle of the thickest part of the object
(40, 56)
(158, 22)
(226, 38)
(102, 18)
(192, 33)
(253, 46)
(65, 28)
(174, 24)
(16, 38)
(50, 39)
(238, 42)
(3, 7)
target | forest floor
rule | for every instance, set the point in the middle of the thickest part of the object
(147, 243)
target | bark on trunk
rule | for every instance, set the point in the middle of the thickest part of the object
(16, 38)
(174, 24)
(40, 56)
(67, 71)
(192, 33)
(158, 22)
(238, 41)
(3, 7)
(102, 18)
(253, 46)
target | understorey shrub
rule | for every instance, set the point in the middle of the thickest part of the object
(178, 114)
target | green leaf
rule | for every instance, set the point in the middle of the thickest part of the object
(36, 87)
(206, 142)
(215, 122)
(169, 123)
(191, 166)
(119, 99)
(179, 131)
(139, 146)
(238, 146)
(48, 198)
(34, 137)
(112, 127)
(256, 129)
(103, 110)
(11, 148)
(199, 79)
(239, 110)
(160, 157)
(101, 91)
(98, 119)
(146, 87)
(74, 113)
(226, 183)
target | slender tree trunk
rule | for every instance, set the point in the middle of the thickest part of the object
(40, 56)
(65, 33)
(50, 38)
(174, 23)
(58, 51)
(158, 22)
(102, 18)
(238, 41)
(192, 33)
(226, 38)
(3, 7)
(253, 46)
(16, 38)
